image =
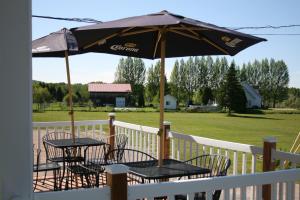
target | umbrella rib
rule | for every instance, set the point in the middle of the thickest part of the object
(106, 38)
(190, 30)
(214, 45)
(138, 32)
(185, 34)
(156, 44)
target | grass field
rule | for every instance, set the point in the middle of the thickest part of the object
(243, 128)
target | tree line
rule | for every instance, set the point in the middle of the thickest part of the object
(196, 80)
(199, 79)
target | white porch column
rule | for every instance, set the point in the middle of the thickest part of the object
(15, 100)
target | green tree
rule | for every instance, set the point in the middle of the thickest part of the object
(132, 71)
(232, 94)
(279, 79)
(174, 81)
(207, 95)
(152, 84)
(40, 95)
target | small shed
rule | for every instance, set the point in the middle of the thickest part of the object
(254, 99)
(170, 102)
(109, 94)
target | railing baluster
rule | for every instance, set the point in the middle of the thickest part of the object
(289, 191)
(226, 194)
(235, 163)
(211, 150)
(191, 150)
(204, 149)
(173, 148)
(244, 165)
(184, 149)
(78, 131)
(178, 149)
(258, 192)
(39, 138)
(93, 131)
(243, 192)
(145, 145)
(157, 147)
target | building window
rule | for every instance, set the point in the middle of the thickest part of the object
(167, 103)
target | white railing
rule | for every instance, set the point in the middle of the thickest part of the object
(90, 128)
(143, 138)
(184, 147)
(90, 194)
(227, 184)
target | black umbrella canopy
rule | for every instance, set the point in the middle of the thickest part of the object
(161, 35)
(140, 36)
(55, 44)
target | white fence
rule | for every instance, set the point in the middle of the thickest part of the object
(245, 159)
(90, 128)
(227, 184)
(143, 138)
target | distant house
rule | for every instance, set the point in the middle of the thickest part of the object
(170, 102)
(109, 94)
(254, 100)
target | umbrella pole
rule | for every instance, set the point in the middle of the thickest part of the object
(71, 113)
(161, 99)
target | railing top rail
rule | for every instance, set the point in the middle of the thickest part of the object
(218, 143)
(280, 155)
(67, 123)
(210, 184)
(137, 127)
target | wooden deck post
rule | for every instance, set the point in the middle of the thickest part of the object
(268, 163)
(117, 180)
(166, 129)
(112, 117)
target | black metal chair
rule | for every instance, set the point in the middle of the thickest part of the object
(218, 164)
(92, 167)
(132, 156)
(58, 155)
(120, 156)
(44, 167)
(119, 139)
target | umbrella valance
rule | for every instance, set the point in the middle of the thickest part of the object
(140, 36)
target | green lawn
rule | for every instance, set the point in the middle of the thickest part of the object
(246, 128)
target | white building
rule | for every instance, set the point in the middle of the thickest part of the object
(254, 100)
(170, 102)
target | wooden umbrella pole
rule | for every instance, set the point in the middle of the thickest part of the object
(71, 112)
(161, 99)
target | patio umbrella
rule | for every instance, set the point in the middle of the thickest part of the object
(161, 35)
(59, 44)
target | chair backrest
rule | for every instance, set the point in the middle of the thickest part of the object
(96, 154)
(218, 164)
(127, 156)
(52, 153)
(121, 141)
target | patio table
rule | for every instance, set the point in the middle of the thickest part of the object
(171, 168)
(68, 145)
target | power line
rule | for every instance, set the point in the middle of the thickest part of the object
(90, 20)
(85, 20)
(283, 34)
(267, 27)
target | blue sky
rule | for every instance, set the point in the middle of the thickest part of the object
(231, 13)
